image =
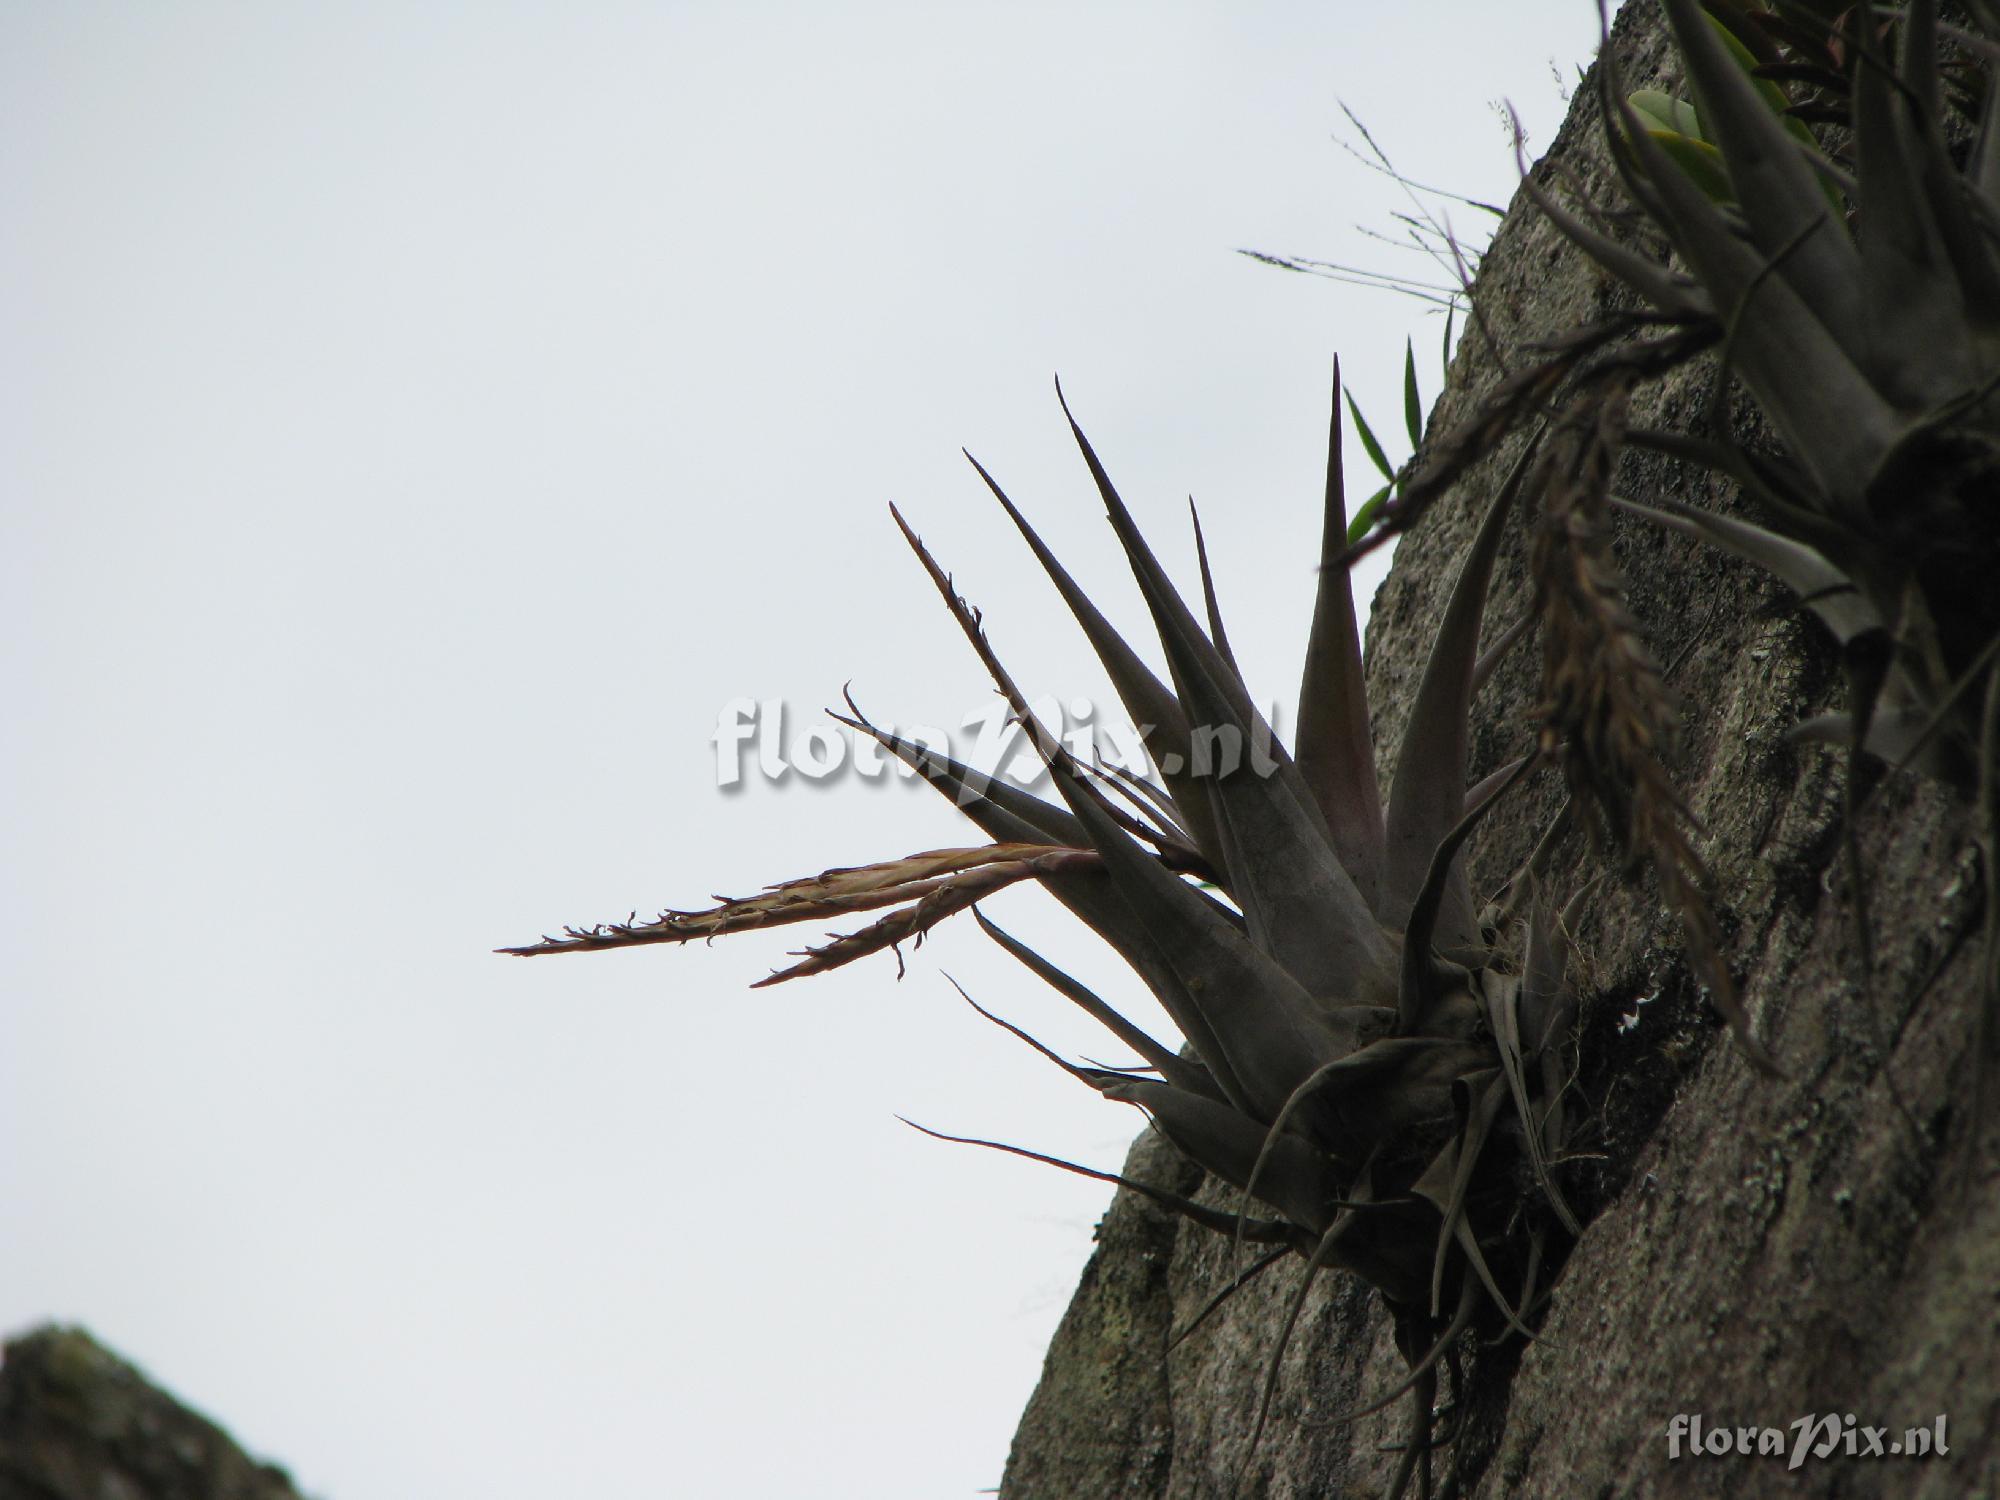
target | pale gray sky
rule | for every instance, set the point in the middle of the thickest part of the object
(419, 420)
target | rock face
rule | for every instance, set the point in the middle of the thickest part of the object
(1756, 1251)
(78, 1423)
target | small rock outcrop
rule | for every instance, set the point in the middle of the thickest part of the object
(79, 1423)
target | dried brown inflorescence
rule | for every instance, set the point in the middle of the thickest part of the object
(1606, 716)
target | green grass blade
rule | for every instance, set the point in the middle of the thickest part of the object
(1373, 449)
(1364, 518)
(1413, 403)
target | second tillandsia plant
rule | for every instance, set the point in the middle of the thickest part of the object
(1858, 295)
(1375, 1063)
(1852, 282)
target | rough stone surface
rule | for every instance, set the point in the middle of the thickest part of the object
(1757, 1250)
(78, 1423)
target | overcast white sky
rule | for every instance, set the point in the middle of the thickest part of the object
(419, 420)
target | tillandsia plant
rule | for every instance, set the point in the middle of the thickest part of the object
(1376, 1064)
(1853, 285)
(1856, 293)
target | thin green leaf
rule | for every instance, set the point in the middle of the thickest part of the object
(1373, 449)
(1364, 518)
(1413, 403)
